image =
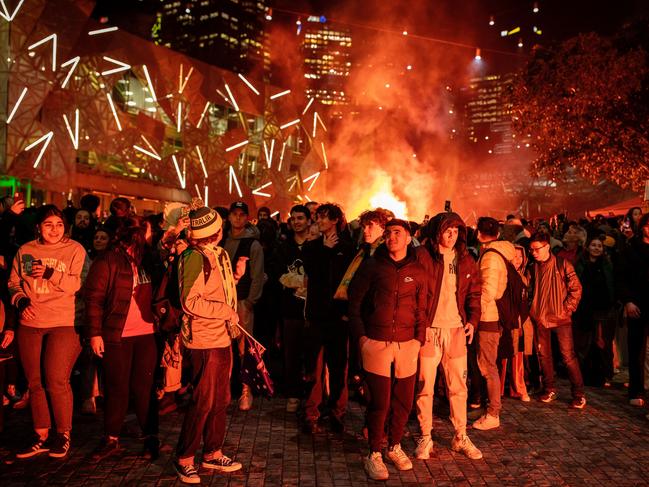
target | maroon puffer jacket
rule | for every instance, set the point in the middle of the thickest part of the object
(388, 299)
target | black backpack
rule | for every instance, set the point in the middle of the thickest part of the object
(513, 307)
(166, 307)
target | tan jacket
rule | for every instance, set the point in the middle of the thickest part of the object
(205, 303)
(493, 274)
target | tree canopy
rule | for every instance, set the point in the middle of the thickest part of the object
(585, 104)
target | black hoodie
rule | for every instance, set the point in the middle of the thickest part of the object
(468, 276)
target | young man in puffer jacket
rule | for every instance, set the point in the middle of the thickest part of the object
(387, 310)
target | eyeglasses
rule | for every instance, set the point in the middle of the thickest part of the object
(537, 249)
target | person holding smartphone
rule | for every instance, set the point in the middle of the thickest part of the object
(45, 276)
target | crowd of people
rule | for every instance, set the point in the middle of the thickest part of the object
(151, 312)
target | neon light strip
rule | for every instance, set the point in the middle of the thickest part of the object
(200, 120)
(200, 158)
(148, 81)
(274, 214)
(206, 195)
(102, 31)
(6, 15)
(269, 154)
(233, 176)
(181, 88)
(258, 191)
(74, 136)
(149, 145)
(112, 108)
(281, 157)
(18, 102)
(249, 84)
(315, 114)
(324, 155)
(308, 105)
(148, 153)
(74, 61)
(181, 179)
(53, 38)
(236, 146)
(320, 121)
(179, 115)
(122, 66)
(289, 124)
(307, 197)
(313, 178)
(47, 138)
(277, 95)
(198, 191)
(232, 100)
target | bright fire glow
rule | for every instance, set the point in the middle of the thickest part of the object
(388, 201)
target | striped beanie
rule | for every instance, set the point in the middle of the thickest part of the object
(204, 222)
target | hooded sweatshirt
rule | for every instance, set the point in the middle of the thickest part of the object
(52, 300)
(493, 273)
(451, 296)
(251, 285)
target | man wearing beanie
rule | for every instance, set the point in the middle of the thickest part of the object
(209, 299)
(387, 312)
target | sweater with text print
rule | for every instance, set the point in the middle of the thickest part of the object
(52, 299)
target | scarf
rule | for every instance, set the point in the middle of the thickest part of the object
(363, 253)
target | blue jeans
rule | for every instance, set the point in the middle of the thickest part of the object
(567, 349)
(205, 417)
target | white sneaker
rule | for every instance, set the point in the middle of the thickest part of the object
(246, 399)
(399, 458)
(292, 405)
(462, 444)
(374, 466)
(486, 422)
(424, 447)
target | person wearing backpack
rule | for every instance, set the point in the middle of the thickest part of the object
(209, 300)
(453, 309)
(556, 292)
(494, 255)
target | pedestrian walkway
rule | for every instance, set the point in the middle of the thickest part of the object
(537, 445)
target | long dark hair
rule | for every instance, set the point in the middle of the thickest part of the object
(46, 211)
(130, 236)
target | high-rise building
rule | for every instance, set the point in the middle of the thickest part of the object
(228, 33)
(488, 114)
(327, 60)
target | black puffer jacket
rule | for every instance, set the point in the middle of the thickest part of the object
(388, 299)
(468, 276)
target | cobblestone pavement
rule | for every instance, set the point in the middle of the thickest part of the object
(537, 445)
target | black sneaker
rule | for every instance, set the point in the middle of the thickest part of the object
(36, 447)
(222, 464)
(60, 445)
(106, 448)
(187, 473)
